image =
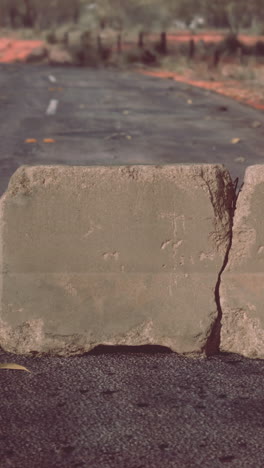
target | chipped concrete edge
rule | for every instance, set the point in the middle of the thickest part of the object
(242, 333)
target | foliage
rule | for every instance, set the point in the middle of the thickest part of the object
(123, 15)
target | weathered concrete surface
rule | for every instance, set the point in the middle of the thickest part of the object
(242, 285)
(113, 255)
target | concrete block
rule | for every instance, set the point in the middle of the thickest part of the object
(113, 255)
(242, 285)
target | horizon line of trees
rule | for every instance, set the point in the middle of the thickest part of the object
(122, 15)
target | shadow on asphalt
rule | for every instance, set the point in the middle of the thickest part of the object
(147, 349)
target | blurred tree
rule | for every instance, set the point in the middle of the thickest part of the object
(256, 15)
(184, 10)
(214, 12)
(232, 14)
(29, 13)
(143, 16)
(10, 13)
(140, 15)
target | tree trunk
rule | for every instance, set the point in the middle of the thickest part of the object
(216, 58)
(119, 43)
(240, 55)
(99, 45)
(29, 16)
(163, 43)
(191, 49)
(141, 39)
(76, 14)
(102, 23)
(13, 15)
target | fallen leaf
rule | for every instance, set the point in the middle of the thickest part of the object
(128, 137)
(234, 141)
(10, 365)
(48, 140)
(189, 101)
(55, 89)
(31, 140)
(240, 159)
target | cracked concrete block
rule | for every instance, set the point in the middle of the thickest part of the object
(124, 255)
(242, 285)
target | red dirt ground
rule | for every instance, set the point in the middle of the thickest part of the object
(208, 36)
(230, 88)
(13, 50)
(238, 90)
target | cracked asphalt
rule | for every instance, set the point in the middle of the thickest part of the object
(143, 407)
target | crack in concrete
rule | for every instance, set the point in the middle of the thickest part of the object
(212, 345)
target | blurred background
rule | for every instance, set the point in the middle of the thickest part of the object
(144, 31)
(141, 15)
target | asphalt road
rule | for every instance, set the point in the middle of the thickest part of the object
(126, 409)
(109, 117)
(132, 411)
